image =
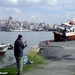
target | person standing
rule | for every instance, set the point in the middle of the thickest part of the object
(18, 53)
(64, 35)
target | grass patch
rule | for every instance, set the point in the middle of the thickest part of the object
(10, 71)
(37, 59)
(32, 55)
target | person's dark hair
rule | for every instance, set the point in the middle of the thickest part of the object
(19, 36)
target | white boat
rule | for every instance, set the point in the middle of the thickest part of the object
(70, 31)
(3, 48)
(19, 29)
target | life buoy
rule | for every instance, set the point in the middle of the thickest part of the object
(48, 42)
(71, 23)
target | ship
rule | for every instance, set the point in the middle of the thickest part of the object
(70, 31)
(20, 29)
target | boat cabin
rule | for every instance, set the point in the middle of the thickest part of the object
(70, 29)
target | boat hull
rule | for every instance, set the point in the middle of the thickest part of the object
(3, 49)
(59, 37)
(2, 53)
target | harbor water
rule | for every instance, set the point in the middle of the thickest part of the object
(32, 39)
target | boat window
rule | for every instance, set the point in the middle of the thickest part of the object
(62, 25)
(65, 26)
(72, 30)
(57, 29)
(67, 31)
(68, 27)
(60, 30)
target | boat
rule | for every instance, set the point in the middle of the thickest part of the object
(3, 48)
(70, 31)
(19, 29)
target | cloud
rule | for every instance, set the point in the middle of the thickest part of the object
(24, 3)
(6, 12)
(14, 1)
(7, 3)
(70, 15)
(44, 4)
(32, 1)
(66, 2)
(50, 11)
(16, 10)
(33, 17)
(47, 4)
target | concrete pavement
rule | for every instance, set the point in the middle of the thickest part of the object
(60, 57)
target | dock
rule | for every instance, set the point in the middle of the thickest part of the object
(60, 57)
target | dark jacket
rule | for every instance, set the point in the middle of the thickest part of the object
(64, 34)
(18, 48)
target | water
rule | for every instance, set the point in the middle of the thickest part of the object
(32, 39)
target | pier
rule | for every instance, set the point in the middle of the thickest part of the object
(60, 57)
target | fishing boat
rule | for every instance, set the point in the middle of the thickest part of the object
(3, 48)
(70, 31)
(19, 29)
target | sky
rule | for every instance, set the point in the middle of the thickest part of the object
(48, 11)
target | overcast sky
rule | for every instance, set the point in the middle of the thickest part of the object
(49, 11)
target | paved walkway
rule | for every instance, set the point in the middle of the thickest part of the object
(60, 57)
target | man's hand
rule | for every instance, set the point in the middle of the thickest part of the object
(25, 44)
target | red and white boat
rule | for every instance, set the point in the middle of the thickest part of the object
(3, 48)
(70, 31)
